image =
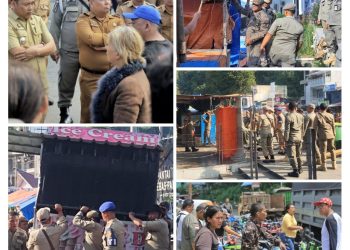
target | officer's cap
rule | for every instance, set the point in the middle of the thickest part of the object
(146, 12)
(289, 6)
(311, 105)
(43, 214)
(258, 2)
(107, 206)
(92, 214)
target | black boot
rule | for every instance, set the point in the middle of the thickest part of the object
(194, 149)
(267, 160)
(272, 159)
(65, 117)
(300, 169)
(295, 173)
(187, 149)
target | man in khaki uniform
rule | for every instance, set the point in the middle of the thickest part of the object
(92, 30)
(28, 38)
(42, 9)
(309, 122)
(188, 134)
(266, 128)
(325, 132)
(129, 7)
(280, 122)
(166, 11)
(17, 237)
(48, 234)
(190, 227)
(293, 135)
(156, 229)
(114, 232)
(93, 229)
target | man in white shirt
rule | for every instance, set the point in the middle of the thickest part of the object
(187, 208)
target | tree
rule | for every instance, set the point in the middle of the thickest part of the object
(215, 82)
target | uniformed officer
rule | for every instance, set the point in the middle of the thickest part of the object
(92, 30)
(154, 2)
(322, 18)
(93, 229)
(188, 134)
(17, 237)
(287, 34)
(325, 131)
(65, 15)
(114, 232)
(279, 131)
(129, 7)
(266, 128)
(309, 122)
(190, 227)
(28, 38)
(293, 136)
(156, 229)
(48, 235)
(166, 12)
(257, 28)
(42, 9)
(334, 22)
(269, 11)
(207, 127)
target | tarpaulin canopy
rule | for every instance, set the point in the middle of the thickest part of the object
(25, 199)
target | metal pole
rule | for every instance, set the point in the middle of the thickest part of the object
(313, 143)
(181, 43)
(251, 154)
(309, 153)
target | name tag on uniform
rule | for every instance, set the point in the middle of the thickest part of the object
(111, 239)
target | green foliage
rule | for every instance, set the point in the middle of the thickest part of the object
(290, 78)
(315, 10)
(215, 82)
(306, 50)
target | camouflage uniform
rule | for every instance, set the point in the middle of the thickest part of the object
(17, 240)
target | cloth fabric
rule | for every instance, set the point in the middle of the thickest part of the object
(190, 228)
(113, 235)
(167, 22)
(288, 221)
(206, 240)
(331, 232)
(17, 240)
(179, 220)
(157, 234)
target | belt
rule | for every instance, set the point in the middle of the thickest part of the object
(94, 71)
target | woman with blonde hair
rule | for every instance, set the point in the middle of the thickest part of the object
(123, 94)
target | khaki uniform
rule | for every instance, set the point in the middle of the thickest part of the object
(127, 7)
(157, 234)
(323, 16)
(309, 122)
(335, 28)
(17, 240)
(27, 33)
(280, 122)
(93, 232)
(325, 131)
(288, 33)
(190, 228)
(42, 9)
(293, 135)
(113, 235)
(167, 22)
(91, 33)
(266, 131)
(38, 241)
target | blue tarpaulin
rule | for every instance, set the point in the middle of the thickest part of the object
(27, 206)
(246, 184)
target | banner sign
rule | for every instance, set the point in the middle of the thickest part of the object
(97, 134)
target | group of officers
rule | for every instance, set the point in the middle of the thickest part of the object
(109, 236)
(275, 41)
(292, 130)
(77, 38)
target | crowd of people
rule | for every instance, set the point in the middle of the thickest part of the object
(275, 41)
(292, 131)
(122, 49)
(106, 234)
(205, 229)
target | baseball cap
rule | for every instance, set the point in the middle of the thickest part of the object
(92, 214)
(289, 6)
(43, 214)
(324, 200)
(146, 12)
(107, 206)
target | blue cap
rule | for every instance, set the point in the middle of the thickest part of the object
(107, 206)
(146, 12)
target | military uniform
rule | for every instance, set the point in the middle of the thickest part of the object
(27, 33)
(190, 228)
(294, 131)
(127, 7)
(65, 15)
(42, 9)
(334, 22)
(288, 33)
(271, 14)
(280, 122)
(167, 22)
(325, 131)
(157, 234)
(113, 235)
(266, 128)
(17, 240)
(38, 241)
(93, 232)
(91, 33)
(309, 122)
(257, 28)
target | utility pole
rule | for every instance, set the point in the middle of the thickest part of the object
(190, 190)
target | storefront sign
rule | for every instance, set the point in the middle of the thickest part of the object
(97, 134)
